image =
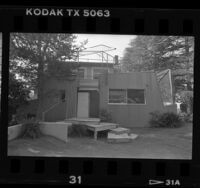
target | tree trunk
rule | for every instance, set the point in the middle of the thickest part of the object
(173, 88)
(40, 83)
(187, 51)
(40, 91)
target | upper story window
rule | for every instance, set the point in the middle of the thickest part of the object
(81, 73)
(97, 72)
(127, 96)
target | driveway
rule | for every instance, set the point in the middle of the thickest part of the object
(154, 143)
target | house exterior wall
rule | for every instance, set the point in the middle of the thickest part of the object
(89, 70)
(56, 129)
(131, 115)
(52, 115)
(51, 87)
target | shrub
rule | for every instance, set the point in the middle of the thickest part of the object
(186, 117)
(31, 129)
(186, 98)
(166, 119)
(105, 116)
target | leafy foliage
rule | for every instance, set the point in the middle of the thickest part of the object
(105, 116)
(18, 95)
(186, 97)
(30, 50)
(31, 129)
(158, 53)
(167, 120)
(35, 56)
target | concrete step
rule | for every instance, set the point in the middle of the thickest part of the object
(120, 130)
(121, 138)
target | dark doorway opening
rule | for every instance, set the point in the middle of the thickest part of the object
(94, 104)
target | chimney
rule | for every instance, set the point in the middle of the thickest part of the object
(116, 60)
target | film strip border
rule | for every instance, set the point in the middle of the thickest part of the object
(129, 21)
(104, 171)
(98, 171)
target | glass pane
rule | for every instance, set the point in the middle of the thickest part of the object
(135, 96)
(117, 96)
(81, 73)
(98, 72)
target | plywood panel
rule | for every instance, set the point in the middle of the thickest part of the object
(83, 105)
(132, 115)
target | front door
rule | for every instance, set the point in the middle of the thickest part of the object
(83, 105)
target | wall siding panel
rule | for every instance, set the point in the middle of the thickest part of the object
(132, 115)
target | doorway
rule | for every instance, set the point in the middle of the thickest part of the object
(83, 105)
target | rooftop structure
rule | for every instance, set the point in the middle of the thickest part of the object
(97, 54)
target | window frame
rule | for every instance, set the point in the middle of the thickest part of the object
(101, 68)
(126, 103)
(85, 72)
(117, 103)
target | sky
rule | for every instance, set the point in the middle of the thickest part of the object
(120, 42)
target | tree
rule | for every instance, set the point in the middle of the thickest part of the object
(186, 97)
(34, 56)
(18, 95)
(138, 56)
(158, 53)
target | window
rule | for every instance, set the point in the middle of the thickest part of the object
(117, 96)
(135, 96)
(127, 96)
(81, 73)
(98, 72)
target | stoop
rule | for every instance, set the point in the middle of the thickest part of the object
(121, 138)
(120, 130)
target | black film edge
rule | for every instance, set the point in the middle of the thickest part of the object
(99, 96)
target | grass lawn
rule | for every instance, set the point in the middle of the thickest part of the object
(155, 143)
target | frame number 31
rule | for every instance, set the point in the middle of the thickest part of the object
(75, 179)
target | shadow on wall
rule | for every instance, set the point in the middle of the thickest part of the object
(57, 129)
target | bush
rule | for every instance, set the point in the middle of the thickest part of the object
(186, 98)
(167, 119)
(31, 129)
(186, 117)
(105, 116)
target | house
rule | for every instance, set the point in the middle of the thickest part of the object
(75, 98)
(127, 97)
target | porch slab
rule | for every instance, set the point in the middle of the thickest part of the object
(83, 121)
(100, 127)
(120, 130)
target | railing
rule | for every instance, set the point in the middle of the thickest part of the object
(44, 113)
